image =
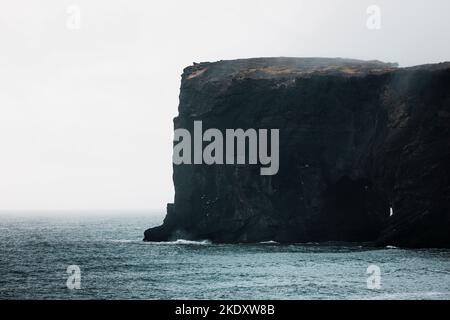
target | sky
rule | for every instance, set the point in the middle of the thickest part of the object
(89, 88)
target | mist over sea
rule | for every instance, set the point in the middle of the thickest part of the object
(115, 264)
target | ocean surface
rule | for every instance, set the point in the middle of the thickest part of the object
(36, 251)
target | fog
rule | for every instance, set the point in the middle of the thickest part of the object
(88, 89)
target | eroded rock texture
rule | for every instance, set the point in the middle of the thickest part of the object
(356, 138)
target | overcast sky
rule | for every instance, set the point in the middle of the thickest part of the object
(86, 108)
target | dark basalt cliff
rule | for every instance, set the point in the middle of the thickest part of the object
(356, 139)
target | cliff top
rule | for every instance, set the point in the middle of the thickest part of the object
(265, 68)
(289, 68)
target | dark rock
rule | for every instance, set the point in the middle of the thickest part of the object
(356, 138)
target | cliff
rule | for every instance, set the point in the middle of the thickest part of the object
(356, 139)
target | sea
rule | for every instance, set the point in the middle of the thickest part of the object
(102, 256)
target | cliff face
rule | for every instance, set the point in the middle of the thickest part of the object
(356, 139)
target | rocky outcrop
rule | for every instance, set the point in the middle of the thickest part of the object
(356, 139)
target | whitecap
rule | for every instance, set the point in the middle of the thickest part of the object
(184, 241)
(179, 241)
(269, 242)
(125, 241)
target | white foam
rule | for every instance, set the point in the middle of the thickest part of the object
(125, 241)
(177, 242)
(269, 242)
(183, 241)
(391, 247)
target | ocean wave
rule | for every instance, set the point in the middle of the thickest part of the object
(391, 247)
(183, 241)
(125, 241)
(177, 242)
(269, 242)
